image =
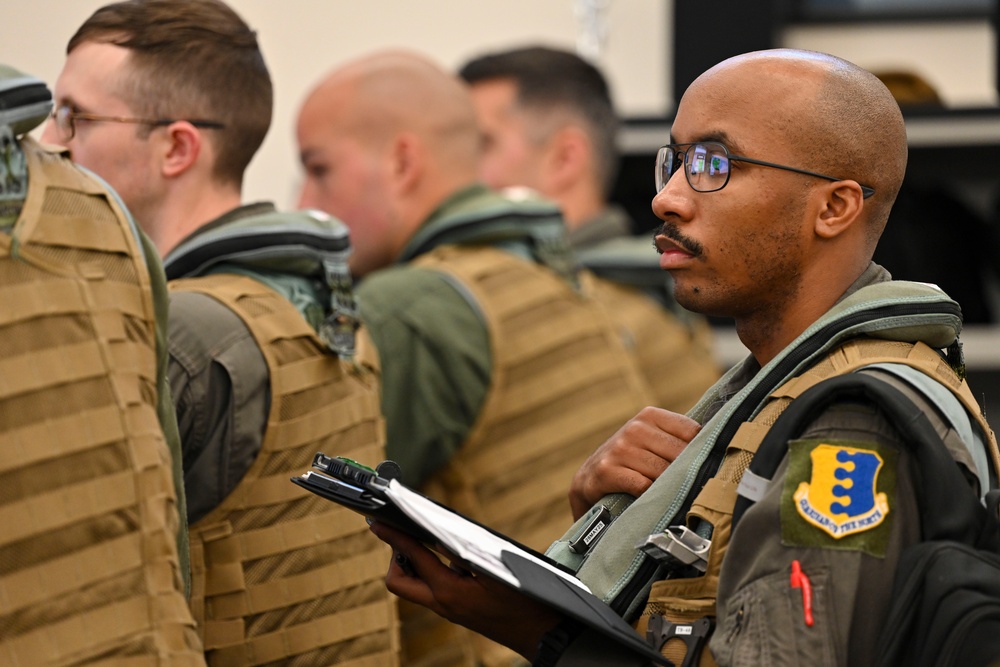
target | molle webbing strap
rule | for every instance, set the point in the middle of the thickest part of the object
(847, 358)
(717, 498)
(90, 568)
(279, 573)
(561, 384)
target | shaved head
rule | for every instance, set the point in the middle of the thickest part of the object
(381, 95)
(384, 140)
(833, 116)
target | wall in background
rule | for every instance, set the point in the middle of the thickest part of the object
(302, 39)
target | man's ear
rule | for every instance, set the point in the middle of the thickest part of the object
(840, 208)
(183, 145)
(407, 162)
(567, 155)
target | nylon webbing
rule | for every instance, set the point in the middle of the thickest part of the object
(57, 641)
(363, 568)
(82, 231)
(69, 434)
(547, 489)
(302, 374)
(72, 571)
(333, 418)
(27, 301)
(39, 369)
(313, 634)
(68, 505)
(558, 431)
(308, 531)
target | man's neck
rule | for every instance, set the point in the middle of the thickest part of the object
(183, 213)
(579, 207)
(766, 333)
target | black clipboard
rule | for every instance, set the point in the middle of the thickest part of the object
(363, 490)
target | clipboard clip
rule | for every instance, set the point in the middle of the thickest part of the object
(678, 545)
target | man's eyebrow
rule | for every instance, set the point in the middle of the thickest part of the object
(717, 136)
(66, 101)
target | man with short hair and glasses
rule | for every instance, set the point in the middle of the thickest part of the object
(168, 100)
(65, 119)
(782, 242)
(706, 166)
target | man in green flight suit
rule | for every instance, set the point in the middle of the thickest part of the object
(774, 187)
(501, 373)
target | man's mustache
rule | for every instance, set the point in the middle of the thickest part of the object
(669, 230)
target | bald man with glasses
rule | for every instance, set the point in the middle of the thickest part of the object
(806, 576)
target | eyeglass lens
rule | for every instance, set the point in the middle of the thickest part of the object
(706, 166)
(64, 122)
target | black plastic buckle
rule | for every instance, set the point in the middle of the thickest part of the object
(694, 635)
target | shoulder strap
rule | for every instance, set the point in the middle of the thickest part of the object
(307, 243)
(946, 513)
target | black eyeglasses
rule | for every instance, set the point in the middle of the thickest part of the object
(706, 166)
(65, 119)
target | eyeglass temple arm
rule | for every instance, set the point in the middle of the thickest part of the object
(866, 191)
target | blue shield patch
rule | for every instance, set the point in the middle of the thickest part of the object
(837, 494)
(841, 497)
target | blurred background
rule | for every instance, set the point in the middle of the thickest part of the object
(938, 56)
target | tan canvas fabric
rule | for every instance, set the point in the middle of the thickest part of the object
(89, 568)
(280, 575)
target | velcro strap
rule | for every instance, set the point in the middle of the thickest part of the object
(717, 495)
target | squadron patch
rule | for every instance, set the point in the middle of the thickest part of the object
(838, 494)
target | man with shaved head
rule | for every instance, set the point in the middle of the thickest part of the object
(778, 179)
(501, 373)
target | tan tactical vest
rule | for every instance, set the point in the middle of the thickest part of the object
(676, 360)
(687, 600)
(280, 575)
(88, 555)
(562, 383)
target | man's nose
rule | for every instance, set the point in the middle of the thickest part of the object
(50, 135)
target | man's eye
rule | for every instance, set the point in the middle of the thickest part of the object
(317, 170)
